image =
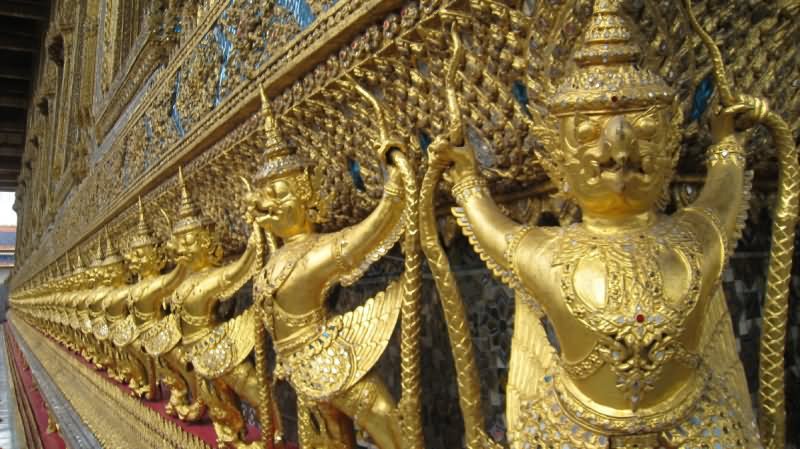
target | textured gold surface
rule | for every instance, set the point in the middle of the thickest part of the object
(308, 189)
(628, 289)
(124, 422)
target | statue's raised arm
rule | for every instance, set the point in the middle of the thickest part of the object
(328, 358)
(646, 354)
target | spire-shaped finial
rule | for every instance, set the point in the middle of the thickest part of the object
(607, 78)
(273, 142)
(109, 246)
(112, 255)
(278, 158)
(186, 208)
(607, 39)
(79, 266)
(98, 254)
(143, 236)
(188, 215)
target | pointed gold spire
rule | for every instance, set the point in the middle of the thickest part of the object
(277, 159)
(607, 78)
(98, 254)
(189, 217)
(112, 254)
(143, 236)
(186, 208)
(274, 140)
(79, 266)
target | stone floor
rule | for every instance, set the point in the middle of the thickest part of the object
(8, 439)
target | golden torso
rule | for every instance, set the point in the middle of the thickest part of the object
(626, 306)
(94, 300)
(146, 308)
(116, 303)
(194, 305)
(296, 291)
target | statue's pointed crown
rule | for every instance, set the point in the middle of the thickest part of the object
(97, 258)
(189, 216)
(607, 77)
(277, 159)
(112, 254)
(79, 266)
(143, 236)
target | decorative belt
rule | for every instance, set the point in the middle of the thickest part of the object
(645, 420)
(285, 347)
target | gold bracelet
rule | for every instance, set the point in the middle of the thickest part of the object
(392, 190)
(726, 151)
(472, 185)
(513, 240)
(338, 248)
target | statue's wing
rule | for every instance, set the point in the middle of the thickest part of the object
(718, 347)
(758, 44)
(368, 328)
(226, 347)
(100, 328)
(162, 336)
(532, 361)
(124, 331)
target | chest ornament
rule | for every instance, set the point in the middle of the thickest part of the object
(638, 328)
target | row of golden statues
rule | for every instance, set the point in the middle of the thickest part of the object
(646, 355)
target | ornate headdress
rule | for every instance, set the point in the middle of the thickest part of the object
(67, 265)
(112, 255)
(79, 266)
(278, 159)
(143, 236)
(607, 77)
(98, 260)
(189, 217)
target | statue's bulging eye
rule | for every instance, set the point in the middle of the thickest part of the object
(586, 131)
(646, 127)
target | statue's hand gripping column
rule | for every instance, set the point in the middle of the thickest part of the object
(328, 359)
(627, 291)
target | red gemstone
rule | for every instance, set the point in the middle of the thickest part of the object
(640, 318)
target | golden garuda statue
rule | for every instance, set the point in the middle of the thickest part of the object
(645, 354)
(81, 285)
(328, 359)
(142, 301)
(132, 361)
(109, 273)
(191, 333)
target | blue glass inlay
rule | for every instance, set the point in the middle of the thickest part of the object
(148, 129)
(424, 141)
(520, 92)
(300, 11)
(125, 166)
(173, 106)
(225, 48)
(702, 95)
(355, 172)
(148, 137)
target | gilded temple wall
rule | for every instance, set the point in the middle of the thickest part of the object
(129, 91)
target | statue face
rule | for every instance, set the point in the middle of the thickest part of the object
(617, 164)
(112, 273)
(92, 275)
(143, 259)
(282, 206)
(195, 248)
